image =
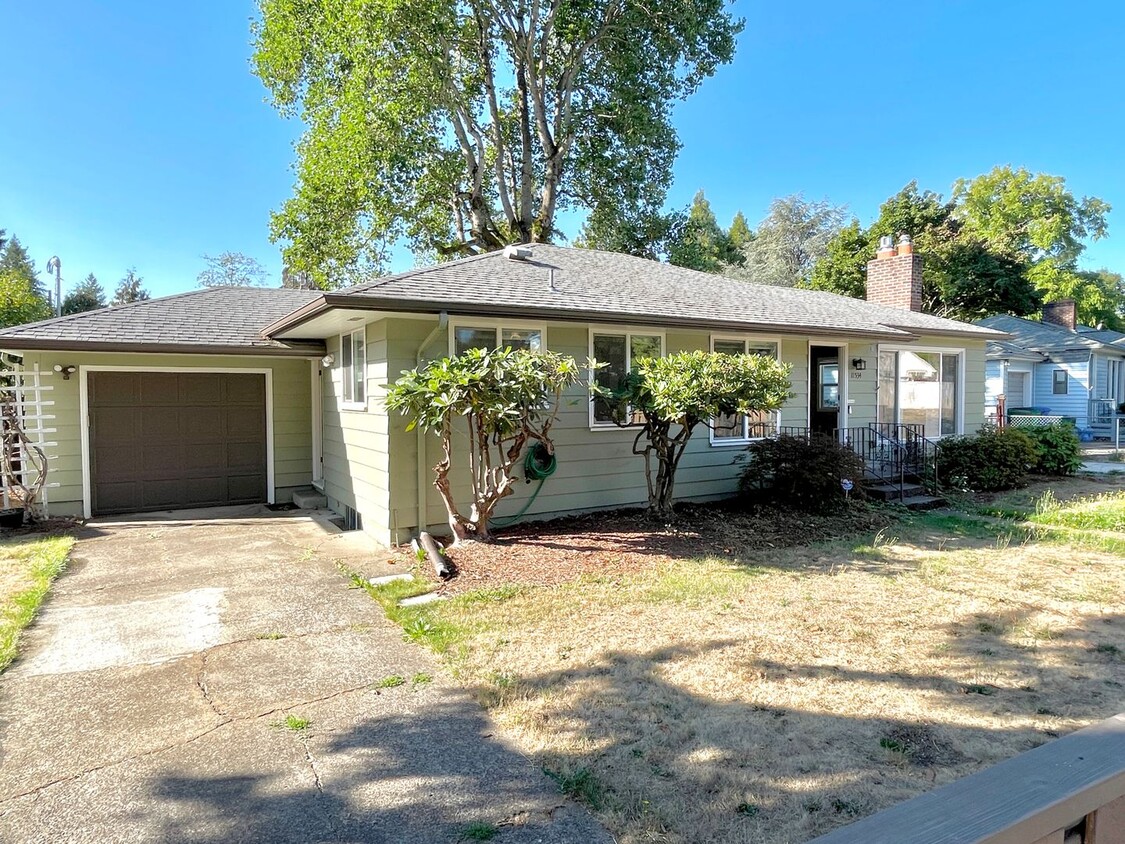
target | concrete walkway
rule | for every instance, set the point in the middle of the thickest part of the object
(147, 704)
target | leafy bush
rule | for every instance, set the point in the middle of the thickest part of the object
(1057, 448)
(992, 460)
(801, 473)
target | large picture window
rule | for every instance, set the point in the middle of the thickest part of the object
(732, 428)
(618, 351)
(921, 388)
(468, 336)
(353, 365)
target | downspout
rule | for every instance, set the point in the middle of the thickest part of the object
(442, 325)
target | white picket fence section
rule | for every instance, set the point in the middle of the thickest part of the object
(25, 388)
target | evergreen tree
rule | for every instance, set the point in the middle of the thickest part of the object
(87, 296)
(129, 289)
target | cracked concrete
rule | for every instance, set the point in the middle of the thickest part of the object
(150, 698)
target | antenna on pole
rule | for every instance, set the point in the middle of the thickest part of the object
(55, 265)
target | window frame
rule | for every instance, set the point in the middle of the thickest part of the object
(746, 340)
(347, 378)
(1055, 373)
(628, 332)
(497, 326)
(962, 356)
(820, 385)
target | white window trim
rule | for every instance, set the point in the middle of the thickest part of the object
(496, 325)
(745, 339)
(353, 406)
(944, 350)
(627, 331)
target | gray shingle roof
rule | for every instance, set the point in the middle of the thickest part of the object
(1043, 337)
(590, 284)
(210, 319)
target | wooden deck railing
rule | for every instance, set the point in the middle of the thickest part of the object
(1070, 790)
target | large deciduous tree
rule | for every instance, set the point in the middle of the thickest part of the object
(231, 269)
(464, 126)
(678, 393)
(788, 242)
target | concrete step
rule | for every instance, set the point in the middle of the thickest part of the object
(310, 499)
(923, 502)
(892, 492)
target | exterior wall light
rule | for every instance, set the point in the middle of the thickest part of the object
(66, 371)
(327, 361)
(859, 364)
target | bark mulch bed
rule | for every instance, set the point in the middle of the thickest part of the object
(612, 544)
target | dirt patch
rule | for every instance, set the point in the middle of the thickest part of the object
(625, 542)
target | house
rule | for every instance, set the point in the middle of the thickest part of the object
(236, 395)
(1058, 366)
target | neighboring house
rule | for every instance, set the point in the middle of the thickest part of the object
(1063, 368)
(236, 395)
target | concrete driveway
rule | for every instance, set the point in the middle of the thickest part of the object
(148, 702)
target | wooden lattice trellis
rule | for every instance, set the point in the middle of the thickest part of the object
(24, 431)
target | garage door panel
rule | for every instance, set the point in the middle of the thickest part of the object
(170, 440)
(157, 388)
(243, 456)
(158, 424)
(113, 425)
(114, 388)
(202, 388)
(202, 424)
(246, 389)
(243, 422)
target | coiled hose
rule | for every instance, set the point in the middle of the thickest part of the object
(539, 465)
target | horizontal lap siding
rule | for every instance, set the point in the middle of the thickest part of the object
(1074, 403)
(292, 415)
(596, 468)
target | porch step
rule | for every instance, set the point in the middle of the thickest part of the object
(923, 502)
(892, 492)
(310, 499)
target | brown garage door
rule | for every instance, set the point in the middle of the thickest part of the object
(164, 440)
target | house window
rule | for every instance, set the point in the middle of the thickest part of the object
(1060, 383)
(731, 428)
(828, 397)
(353, 365)
(470, 336)
(921, 388)
(618, 351)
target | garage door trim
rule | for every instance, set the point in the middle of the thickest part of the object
(84, 424)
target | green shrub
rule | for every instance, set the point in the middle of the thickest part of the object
(1057, 448)
(992, 460)
(801, 473)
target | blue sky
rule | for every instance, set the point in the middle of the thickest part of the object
(133, 133)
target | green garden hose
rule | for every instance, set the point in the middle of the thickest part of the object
(539, 465)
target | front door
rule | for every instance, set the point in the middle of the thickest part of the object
(826, 393)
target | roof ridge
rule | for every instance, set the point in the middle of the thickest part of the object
(414, 272)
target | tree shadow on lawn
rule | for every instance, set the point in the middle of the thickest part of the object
(668, 763)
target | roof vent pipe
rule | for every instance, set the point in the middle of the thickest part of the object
(517, 253)
(551, 279)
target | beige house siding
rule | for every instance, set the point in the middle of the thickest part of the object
(292, 414)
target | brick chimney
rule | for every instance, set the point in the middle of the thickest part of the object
(1062, 313)
(894, 278)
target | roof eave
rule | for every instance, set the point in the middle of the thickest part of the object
(309, 349)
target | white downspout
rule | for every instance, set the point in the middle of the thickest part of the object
(443, 323)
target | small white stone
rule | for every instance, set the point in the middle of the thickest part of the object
(390, 578)
(428, 598)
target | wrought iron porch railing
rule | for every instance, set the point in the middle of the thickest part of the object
(892, 453)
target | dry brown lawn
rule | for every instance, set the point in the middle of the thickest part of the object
(773, 695)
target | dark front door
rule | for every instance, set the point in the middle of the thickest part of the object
(168, 440)
(827, 391)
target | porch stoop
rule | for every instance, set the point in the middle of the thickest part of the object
(310, 499)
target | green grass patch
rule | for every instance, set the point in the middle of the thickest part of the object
(479, 831)
(391, 682)
(28, 566)
(1097, 512)
(581, 785)
(296, 723)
